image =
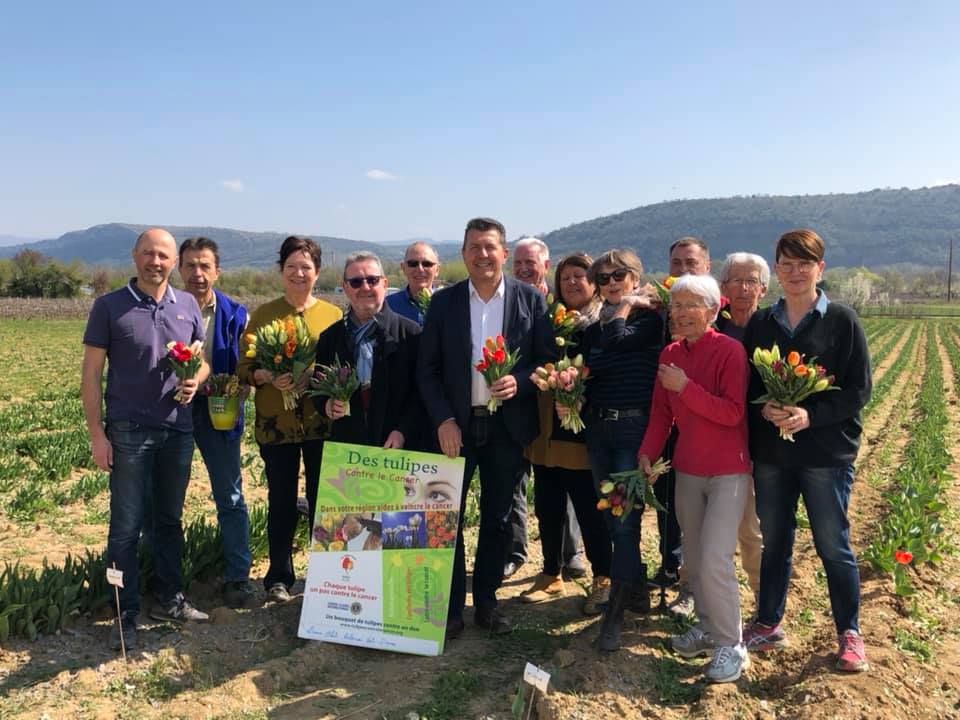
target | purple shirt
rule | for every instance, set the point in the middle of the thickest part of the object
(134, 330)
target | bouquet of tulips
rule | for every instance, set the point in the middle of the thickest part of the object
(789, 380)
(221, 385)
(625, 490)
(283, 346)
(185, 360)
(564, 321)
(338, 381)
(423, 299)
(566, 381)
(496, 363)
(663, 289)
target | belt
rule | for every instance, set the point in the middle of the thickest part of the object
(479, 411)
(616, 414)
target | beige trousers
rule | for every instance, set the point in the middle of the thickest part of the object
(709, 510)
(751, 541)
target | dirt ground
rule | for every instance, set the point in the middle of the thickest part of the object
(250, 664)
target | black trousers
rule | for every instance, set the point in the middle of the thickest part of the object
(282, 466)
(487, 445)
(551, 488)
(572, 539)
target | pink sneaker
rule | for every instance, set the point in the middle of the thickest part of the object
(851, 656)
(757, 637)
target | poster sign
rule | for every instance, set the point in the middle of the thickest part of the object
(381, 554)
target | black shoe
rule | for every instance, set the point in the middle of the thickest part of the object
(610, 629)
(510, 569)
(663, 579)
(129, 624)
(490, 619)
(239, 594)
(575, 568)
(454, 629)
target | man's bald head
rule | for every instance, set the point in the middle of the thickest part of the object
(155, 255)
(156, 234)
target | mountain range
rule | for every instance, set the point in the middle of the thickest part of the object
(878, 228)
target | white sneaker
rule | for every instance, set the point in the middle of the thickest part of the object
(729, 661)
(693, 643)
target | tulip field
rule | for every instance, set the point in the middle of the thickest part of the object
(55, 604)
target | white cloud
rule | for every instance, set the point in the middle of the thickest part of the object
(236, 186)
(380, 175)
(940, 183)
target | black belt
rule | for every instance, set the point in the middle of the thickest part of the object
(617, 414)
(479, 411)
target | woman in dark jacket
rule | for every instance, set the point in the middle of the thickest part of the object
(382, 346)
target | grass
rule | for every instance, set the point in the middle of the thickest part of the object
(667, 682)
(449, 697)
(912, 645)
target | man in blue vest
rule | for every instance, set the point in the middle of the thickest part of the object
(224, 320)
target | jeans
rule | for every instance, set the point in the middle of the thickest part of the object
(554, 490)
(282, 465)
(625, 530)
(151, 469)
(221, 455)
(487, 445)
(826, 495)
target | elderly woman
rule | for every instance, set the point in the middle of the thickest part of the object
(561, 467)
(744, 279)
(621, 350)
(818, 465)
(285, 436)
(701, 387)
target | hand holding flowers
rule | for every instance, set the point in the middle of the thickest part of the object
(338, 382)
(495, 367)
(186, 361)
(566, 381)
(627, 490)
(284, 347)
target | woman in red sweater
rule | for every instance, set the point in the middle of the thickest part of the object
(701, 386)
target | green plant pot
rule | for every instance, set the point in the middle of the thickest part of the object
(223, 411)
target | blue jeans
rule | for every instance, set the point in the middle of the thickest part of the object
(221, 455)
(826, 495)
(151, 468)
(626, 563)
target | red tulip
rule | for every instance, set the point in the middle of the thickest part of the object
(903, 557)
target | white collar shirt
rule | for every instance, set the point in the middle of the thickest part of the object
(486, 320)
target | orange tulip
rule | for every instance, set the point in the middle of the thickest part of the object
(800, 370)
(793, 358)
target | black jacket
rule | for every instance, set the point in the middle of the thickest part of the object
(445, 365)
(394, 401)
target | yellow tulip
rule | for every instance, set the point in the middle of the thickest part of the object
(617, 510)
(774, 353)
(606, 488)
(251, 353)
(821, 385)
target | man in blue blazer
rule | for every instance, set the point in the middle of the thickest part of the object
(460, 318)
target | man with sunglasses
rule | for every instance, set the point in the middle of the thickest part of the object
(461, 317)
(421, 267)
(385, 411)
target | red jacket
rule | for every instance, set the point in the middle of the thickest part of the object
(710, 410)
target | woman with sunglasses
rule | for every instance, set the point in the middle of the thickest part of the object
(385, 411)
(561, 467)
(818, 464)
(284, 436)
(621, 349)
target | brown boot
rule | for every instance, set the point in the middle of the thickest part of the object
(545, 587)
(599, 596)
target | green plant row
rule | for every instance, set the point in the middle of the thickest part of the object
(881, 346)
(889, 379)
(874, 328)
(35, 601)
(913, 523)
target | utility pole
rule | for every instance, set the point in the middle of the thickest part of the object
(950, 270)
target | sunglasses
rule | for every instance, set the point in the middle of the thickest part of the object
(357, 282)
(425, 264)
(603, 278)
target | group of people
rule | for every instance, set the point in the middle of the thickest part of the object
(666, 380)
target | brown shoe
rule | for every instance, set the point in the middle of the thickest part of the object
(545, 587)
(598, 597)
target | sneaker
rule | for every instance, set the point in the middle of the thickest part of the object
(303, 506)
(545, 587)
(239, 593)
(278, 593)
(179, 609)
(663, 579)
(693, 643)
(851, 656)
(128, 626)
(683, 604)
(575, 568)
(598, 597)
(729, 661)
(758, 637)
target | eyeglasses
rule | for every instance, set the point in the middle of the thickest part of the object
(746, 282)
(357, 282)
(425, 264)
(804, 267)
(681, 307)
(619, 275)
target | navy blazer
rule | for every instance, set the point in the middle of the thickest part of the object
(445, 363)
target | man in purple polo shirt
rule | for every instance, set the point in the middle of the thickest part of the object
(146, 442)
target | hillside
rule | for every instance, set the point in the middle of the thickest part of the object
(876, 228)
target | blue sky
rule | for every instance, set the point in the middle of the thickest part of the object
(384, 121)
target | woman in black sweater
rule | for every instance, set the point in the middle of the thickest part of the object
(818, 465)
